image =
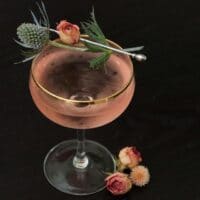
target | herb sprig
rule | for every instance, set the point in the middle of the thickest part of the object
(92, 29)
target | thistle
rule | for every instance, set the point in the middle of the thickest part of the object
(32, 36)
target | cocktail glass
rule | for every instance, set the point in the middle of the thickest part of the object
(72, 95)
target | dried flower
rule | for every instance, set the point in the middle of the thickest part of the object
(129, 157)
(32, 36)
(69, 33)
(118, 183)
(140, 175)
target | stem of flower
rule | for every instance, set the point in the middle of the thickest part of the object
(57, 44)
(53, 30)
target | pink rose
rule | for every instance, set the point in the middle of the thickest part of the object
(129, 157)
(69, 33)
(118, 183)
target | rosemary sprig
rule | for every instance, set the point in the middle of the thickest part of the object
(92, 29)
(99, 61)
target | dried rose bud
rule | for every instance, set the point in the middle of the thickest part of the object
(140, 175)
(129, 157)
(69, 33)
(118, 183)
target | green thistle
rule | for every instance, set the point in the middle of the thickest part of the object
(32, 36)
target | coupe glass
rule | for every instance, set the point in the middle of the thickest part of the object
(72, 95)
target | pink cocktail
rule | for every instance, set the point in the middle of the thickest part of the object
(72, 95)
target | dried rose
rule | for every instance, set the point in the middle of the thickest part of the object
(129, 157)
(118, 183)
(140, 175)
(69, 33)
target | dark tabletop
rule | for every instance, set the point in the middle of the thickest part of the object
(162, 121)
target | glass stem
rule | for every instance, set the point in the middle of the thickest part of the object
(80, 160)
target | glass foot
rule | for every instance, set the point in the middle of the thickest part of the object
(60, 172)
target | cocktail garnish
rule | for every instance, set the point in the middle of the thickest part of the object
(35, 36)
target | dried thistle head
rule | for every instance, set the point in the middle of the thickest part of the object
(32, 36)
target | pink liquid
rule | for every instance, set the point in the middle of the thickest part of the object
(66, 74)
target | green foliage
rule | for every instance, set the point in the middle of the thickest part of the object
(92, 29)
(98, 62)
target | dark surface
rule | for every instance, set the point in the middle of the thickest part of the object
(162, 120)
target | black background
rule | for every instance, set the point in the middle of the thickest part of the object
(162, 120)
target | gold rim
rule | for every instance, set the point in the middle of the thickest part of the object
(94, 101)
